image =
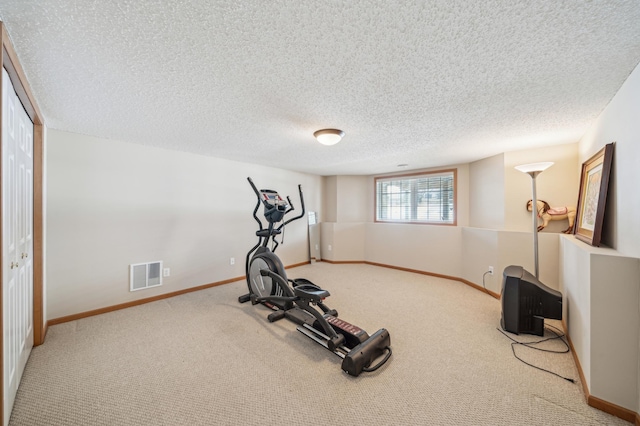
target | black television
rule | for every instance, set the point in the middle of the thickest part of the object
(526, 302)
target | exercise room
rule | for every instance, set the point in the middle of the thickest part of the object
(337, 212)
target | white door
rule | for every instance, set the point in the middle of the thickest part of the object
(17, 240)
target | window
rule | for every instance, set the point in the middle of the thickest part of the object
(420, 198)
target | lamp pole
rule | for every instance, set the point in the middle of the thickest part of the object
(534, 170)
(534, 215)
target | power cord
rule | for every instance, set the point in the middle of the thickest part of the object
(483, 284)
(558, 335)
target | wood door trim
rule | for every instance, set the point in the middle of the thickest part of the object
(9, 61)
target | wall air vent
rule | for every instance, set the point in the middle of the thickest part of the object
(145, 275)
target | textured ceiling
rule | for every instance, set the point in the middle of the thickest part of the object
(427, 83)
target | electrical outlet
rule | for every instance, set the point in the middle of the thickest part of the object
(232, 261)
(166, 272)
(491, 270)
(329, 247)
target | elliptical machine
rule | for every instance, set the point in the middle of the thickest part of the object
(298, 299)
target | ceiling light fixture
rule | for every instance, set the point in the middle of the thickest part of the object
(328, 136)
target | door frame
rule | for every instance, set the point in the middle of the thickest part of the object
(9, 60)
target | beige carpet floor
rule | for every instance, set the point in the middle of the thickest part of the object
(204, 359)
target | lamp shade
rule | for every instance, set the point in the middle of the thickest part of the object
(328, 136)
(534, 167)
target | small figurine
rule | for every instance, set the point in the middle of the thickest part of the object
(546, 213)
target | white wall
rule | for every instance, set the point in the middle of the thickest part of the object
(110, 204)
(486, 193)
(498, 192)
(558, 185)
(601, 298)
(601, 285)
(482, 248)
(459, 251)
(620, 123)
(343, 242)
(353, 194)
(330, 199)
(354, 236)
(429, 248)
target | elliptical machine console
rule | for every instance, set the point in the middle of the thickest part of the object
(300, 300)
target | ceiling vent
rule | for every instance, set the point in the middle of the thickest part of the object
(145, 275)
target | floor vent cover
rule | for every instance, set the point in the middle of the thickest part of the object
(145, 275)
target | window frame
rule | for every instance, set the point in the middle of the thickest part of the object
(453, 171)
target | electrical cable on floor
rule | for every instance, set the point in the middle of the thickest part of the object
(530, 345)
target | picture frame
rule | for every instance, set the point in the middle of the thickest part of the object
(594, 183)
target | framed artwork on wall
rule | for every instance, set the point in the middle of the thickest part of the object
(594, 183)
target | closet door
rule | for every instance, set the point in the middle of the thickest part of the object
(17, 244)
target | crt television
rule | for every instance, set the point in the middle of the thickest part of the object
(526, 302)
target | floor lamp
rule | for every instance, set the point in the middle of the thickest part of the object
(533, 170)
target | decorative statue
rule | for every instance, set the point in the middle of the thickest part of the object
(546, 213)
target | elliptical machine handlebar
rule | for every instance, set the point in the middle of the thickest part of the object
(255, 216)
(292, 208)
(277, 204)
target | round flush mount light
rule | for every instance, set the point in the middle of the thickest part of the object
(328, 136)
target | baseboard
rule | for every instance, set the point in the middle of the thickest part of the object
(45, 327)
(295, 265)
(44, 332)
(583, 380)
(592, 401)
(138, 302)
(613, 409)
(432, 274)
(415, 271)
